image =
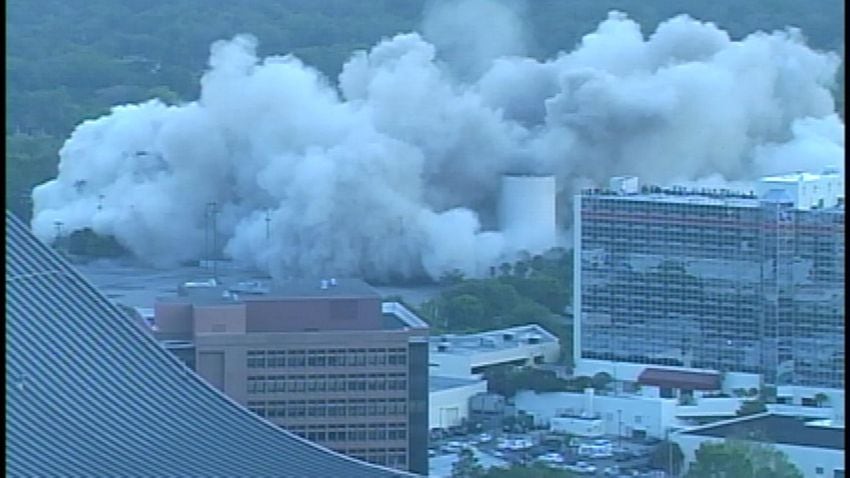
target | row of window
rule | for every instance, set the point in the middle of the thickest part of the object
(327, 383)
(330, 408)
(333, 434)
(326, 358)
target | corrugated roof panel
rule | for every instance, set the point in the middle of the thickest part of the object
(89, 393)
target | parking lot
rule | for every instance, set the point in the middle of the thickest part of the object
(600, 457)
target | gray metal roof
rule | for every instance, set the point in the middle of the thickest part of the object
(438, 383)
(89, 393)
(777, 429)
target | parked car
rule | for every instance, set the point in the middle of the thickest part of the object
(581, 467)
(611, 471)
(452, 447)
(551, 458)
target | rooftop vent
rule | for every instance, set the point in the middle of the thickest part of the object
(201, 284)
(488, 342)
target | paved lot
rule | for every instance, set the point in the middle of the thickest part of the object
(489, 451)
(440, 466)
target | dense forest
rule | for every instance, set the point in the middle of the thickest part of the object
(71, 60)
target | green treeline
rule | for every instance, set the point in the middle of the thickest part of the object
(71, 60)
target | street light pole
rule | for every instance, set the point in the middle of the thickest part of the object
(213, 210)
(619, 428)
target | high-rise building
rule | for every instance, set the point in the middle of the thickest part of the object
(712, 279)
(324, 359)
(90, 393)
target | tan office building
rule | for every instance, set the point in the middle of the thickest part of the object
(324, 359)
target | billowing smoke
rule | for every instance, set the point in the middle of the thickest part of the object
(394, 171)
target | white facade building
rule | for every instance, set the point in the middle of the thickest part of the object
(448, 400)
(626, 415)
(807, 190)
(814, 447)
(466, 355)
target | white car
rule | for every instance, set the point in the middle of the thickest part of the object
(582, 467)
(551, 458)
(485, 438)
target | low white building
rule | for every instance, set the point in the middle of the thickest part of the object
(448, 400)
(623, 414)
(629, 415)
(467, 355)
(815, 447)
(807, 190)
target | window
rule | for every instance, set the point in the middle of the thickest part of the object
(296, 359)
(276, 359)
(256, 384)
(316, 358)
(276, 384)
(258, 407)
(819, 470)
(256, 359)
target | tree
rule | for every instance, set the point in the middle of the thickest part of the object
(467, 466)
(451, 277)
(521, 269)
(751, 407)
(601, 380)
(821, 399)
(536, 470)
(464, 311)
(740, 459)
(527, 312)
(667, 456)
(581, 382)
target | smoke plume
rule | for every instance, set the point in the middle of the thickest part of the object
(393, 171)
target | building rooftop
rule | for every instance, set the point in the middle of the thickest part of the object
(90, 393)
(777, 429)
(798, 177)
(708, 196)
(680, 195)
(482, 342)
(213, 293)
(437, 383)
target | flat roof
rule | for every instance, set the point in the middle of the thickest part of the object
(438, 383)
(500, 339)
(201, 294)
(798, 177)
(660, 377)
(778, 429)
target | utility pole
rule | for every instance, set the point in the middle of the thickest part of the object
(669, 450)
(213, 211)
(268, 222)
(619, 429)
(58, 226)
